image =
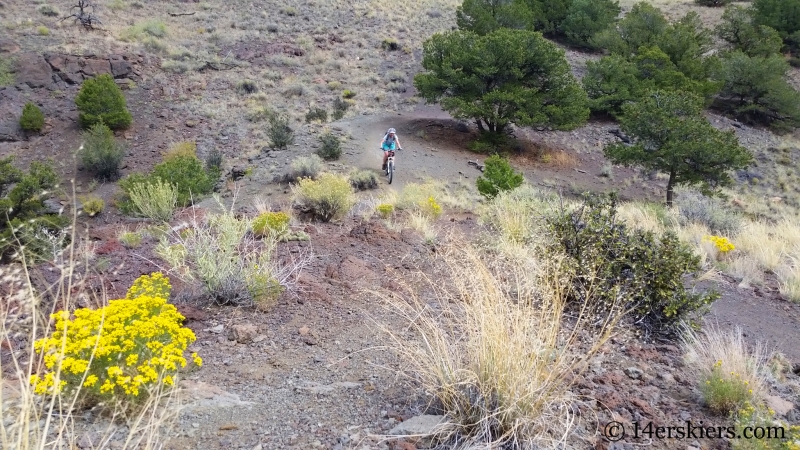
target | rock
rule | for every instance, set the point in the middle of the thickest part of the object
(634, 373)
(89, 440)
(237, 172)
(95, 67)
(216, 329)
(33, 70)
(8, 46)
(322, 389)
(667, 377)
(190, 312)
(779, 405)
(419, 429)
(190, 123)
(204, 395)
(67, 68)
(243, 333)
(120, 68)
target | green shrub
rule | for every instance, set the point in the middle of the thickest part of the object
(273, 224)
(330, 147)
(694, 207)
(714, 3)
(724, 392)
(6, 75)
(755, 89)
(781, 15)
(385, 210)
(642, 26)
(24, 223)
(93, 205)
(130, 239)
(327, 198)
(141, 31)
(498, 176)
(101, 153)
(737, 29)
(155, 199)
(214, 161)
(32, 118)
(362, 180)
(586, 18)
(340, 108)
(280, 134)
(246, 87)
(347, 93)
(48, 10)
(101, 100)
(187, 174)
(305, 167)
(317, 114)
(389, 44)
(43, 30)
(615, 267)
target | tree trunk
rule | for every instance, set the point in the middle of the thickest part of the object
(670, 186)
(479, 122)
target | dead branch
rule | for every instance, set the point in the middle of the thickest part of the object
(181, 14)
(215, 66)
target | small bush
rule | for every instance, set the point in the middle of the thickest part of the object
(187, 174)
(694, 207)
(274, 224)
(616, 267)
(48, 10)
(93, 205)
(181, 149)
(713, 3)
(154, 199)
(101, 153)
(390, 44)
(117, 351)
(130, 239)
(214, 161)
(330, 147)
(430, 208)
(340, 108)
(43, 30)
(290, 11)
(317, 114)
(138, 32)
(334, 85)
(280, 134)
(305, 167)
(327, 198)
(497, 176)
(32, 118)
(347, 93)
(724, 392)
(246, 87)
(385, 210)
(361, 180)
(6, 75)
(586, 18)
(101, 100)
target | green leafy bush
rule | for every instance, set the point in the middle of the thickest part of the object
(130, 239)
(642, 26)
(214, 161)
(32, 118)
(24, 222)
(317, 114)
(330, 147)
(737, 29)
(93, 205)
(6, 75)
(101, 153)
(361, 180)
(586, 18)
(101, 100)
(755, 90)
(619, 268)
(246, 87)
(724, 392)
(498, 176)
(154, 199)
(347, 93)
(340, 108)
(327, 198)
(304, 167)
(781, 15)
(279, 132)
(187, 174)
(385, 210)
(274, 224)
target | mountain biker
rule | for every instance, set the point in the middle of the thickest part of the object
(389, 142)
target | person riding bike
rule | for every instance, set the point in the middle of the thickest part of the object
(389, 142)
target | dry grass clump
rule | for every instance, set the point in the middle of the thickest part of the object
(729, 373)
(513, 214)
(497, 356)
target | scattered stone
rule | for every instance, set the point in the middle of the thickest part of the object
(89, 440)
(634, 373)
(228, 426)
(204, 395)
(243, 333)
(8, 46)
(419, 429)
(667, 377)
(217, 329)
(322, 389)
(779, 405)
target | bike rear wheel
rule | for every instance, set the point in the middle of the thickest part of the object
(390, 170)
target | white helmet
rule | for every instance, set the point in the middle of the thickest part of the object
(391, 131)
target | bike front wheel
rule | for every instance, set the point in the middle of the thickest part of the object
(390, 171)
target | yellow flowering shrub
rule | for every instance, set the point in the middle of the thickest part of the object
(749, 416)
(721, 243)
(385, 210)
(118, 350)
(271, 223)
(725, 392)
(431, 208)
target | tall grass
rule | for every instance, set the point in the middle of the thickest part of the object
(31, 421)
(497, 356)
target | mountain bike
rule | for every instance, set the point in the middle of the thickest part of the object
(390, 166)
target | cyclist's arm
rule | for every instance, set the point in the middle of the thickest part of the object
(397, 138)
